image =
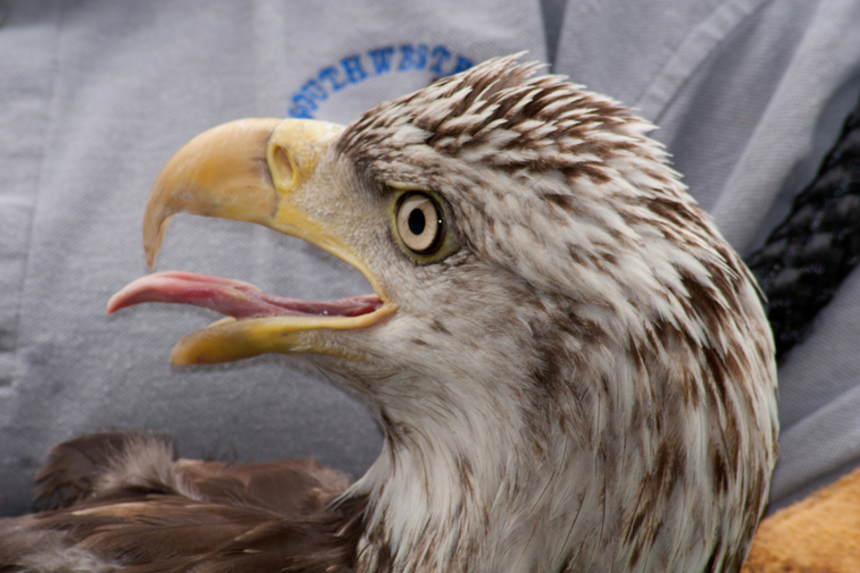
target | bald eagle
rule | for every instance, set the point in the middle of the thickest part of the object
(571, 367)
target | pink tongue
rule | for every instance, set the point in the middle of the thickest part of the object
(232, 298)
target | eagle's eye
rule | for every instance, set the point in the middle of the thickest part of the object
(420, 223)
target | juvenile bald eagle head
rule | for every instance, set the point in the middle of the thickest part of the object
(570, 365)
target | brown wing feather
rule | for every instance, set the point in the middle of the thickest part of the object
(122, 500)
(74, 466)
(290, 487)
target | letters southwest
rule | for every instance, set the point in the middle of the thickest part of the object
(377, 62)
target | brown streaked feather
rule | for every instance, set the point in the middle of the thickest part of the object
(74, 466)
(289, 487)
(205, 516)
(92, 466)
(172, 533)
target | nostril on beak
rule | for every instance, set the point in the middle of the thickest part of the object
(281, 168)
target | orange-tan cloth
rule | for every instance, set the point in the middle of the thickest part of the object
(820, 534)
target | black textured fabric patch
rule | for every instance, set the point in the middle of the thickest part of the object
(806, 258)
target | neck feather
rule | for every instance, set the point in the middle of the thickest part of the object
(456, 493)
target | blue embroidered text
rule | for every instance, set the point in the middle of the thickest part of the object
(357, 68)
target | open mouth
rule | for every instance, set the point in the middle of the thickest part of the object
(255, 322)
(233, 298)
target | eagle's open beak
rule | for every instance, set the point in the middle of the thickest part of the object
(254, 170)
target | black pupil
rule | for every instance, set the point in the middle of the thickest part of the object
(417, 221)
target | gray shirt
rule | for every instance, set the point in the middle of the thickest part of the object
(96, 96)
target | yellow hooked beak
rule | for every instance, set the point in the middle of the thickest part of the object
(262, 171)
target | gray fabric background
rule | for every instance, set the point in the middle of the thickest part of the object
(95, 96)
